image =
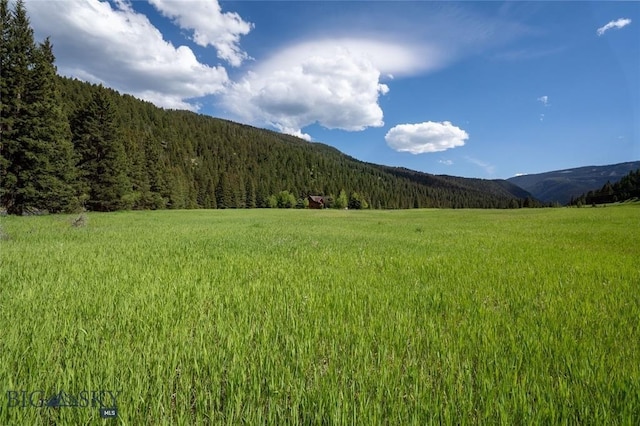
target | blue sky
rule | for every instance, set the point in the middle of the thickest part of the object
(475, 89)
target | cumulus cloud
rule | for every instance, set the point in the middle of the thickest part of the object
(425, 137)
(99, 43)
(445, 162)
(296, 132)
(617, 24)
(544, 100)
(210, 26)
(334, 83)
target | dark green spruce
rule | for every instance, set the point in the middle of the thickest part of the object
(102, 163)
(37, 156)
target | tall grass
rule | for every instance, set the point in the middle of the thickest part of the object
(326, 317)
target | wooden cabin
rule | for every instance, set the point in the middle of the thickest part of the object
(316, 202)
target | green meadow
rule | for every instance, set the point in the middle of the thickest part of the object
(279, 317)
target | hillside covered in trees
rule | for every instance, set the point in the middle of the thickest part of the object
(560, 186)
(66, 145)
(625, 189)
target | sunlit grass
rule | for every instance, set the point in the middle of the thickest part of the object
(326, 317)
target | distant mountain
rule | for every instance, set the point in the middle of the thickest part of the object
(496, 187)
(560, 185)
(626, 189)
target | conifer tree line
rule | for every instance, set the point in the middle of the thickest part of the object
(66, 145)
(628, 187)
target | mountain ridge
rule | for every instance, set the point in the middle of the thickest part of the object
(560, 186)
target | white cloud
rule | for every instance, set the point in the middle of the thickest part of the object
(544, 100)
(296, 132)
(425, 137)
(167, 100)
(116, 46)
(389, 58)
(334, 83)
(619, 23)
(211, 27)
(445, 162)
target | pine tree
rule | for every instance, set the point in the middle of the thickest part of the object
(17, 52)
(140, 197)
(5, 25)
(50, 128)
(250, 191)
(102, 162)
(155, 166)
(37, 155)
(5, 95)
(224, 194)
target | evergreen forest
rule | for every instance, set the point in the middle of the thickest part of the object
(67, 145)
(627, 188)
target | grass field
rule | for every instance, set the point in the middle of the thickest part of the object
(323, 317)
